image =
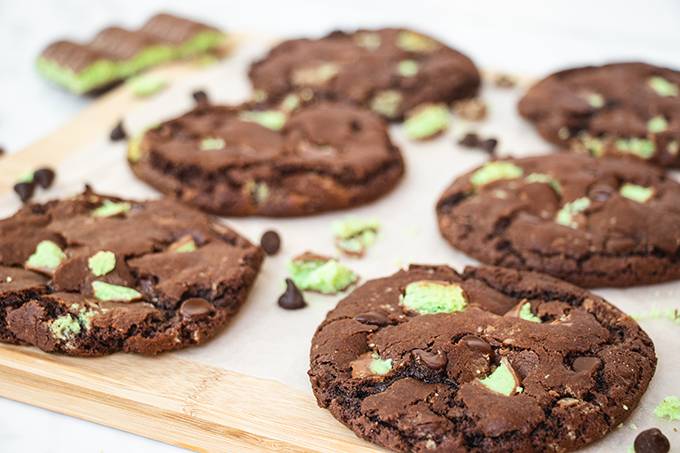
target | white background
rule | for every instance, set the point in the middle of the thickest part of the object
(528, 37)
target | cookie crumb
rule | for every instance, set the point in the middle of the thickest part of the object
(473, 109)
(505, 81)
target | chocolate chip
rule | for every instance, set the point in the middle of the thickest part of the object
(489, 145)
(373, 317)
(435, 361)
(44, 177)
(270, 242)
(2, 151)
(292, 298)
(651, 441)
(24, 190)
(195, 307)
(477, 344)
(586, 364)
(200, 97)
(470, 140)
(118, 133)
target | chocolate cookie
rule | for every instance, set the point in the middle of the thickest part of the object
(92, 275)
(493, 360)
(389, 70)
(622, 109)
(243, 161)
(593, 222)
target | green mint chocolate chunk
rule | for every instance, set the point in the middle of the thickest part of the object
(545, 179)
(111, 208)
(640, 147)
(565, 216)
(107, 291)
(146, 85)
(662, 86)
(669, 408)
(387, 103)
(495, 171)
(427, 121)
(353, 235)
(593, 145)
(212, 144)
(184, 245)
(47, 257)
(415, 42)
(380, 366)
(290, 103)
(201, 42)
(673, 148)
(502, 380)
(408, 68)
(671, 314)
(259, 191)
(526, 314)
(324, 276)
(430, 297)
(85, 317)
(134, 151)
(271, 119)
(65, 327)
(316, 75)
(26, 177)
(102, 262)
(595, 100)
(637, 193)
(98, 74)
(368, 40)
(657, 124)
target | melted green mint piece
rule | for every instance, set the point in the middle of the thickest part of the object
(593, 145)
(673, 147)
(429, 297)
(640, 147)
(65, 327)
(669, 408)
(352, 226)
(290, 103)
(657, 124)
(526, 314)
(408, 68)
(545, 179)
(415, 42)
(271, 119)
(380, 366)
(495, 171)
(368, 40)
(146, 85)
(110, 208)
(324, 276)
(85, 317)
(212, 144)
(47, 257)
(102, 262)
(595, 100)
(386, 103)
(662, 86)
(637, 193)
(134, 151)
(502, 380)
(427, 121)
(107, 291)
(186, 247)
(258, 190)
(565, 216)
(26, 177)
(316, 75)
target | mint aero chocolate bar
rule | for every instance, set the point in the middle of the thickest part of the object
(116, 54)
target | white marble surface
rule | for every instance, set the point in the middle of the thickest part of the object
(529, 37)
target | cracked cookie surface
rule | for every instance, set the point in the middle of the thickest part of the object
(479, 376)
(93, 274)
(244, 160)
(593, 222)
(621, 109)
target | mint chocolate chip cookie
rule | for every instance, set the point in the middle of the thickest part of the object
(593, 222)
(622, 109)
(92, 275)
(432, 360)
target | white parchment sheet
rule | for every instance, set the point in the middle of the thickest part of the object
(267, 341)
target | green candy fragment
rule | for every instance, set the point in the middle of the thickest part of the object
(565, 216)
(662, 86)
(593, 145)
(108, 292)
(212, 144)
(669, 408)
(320, 275)
(545, 179)
(430, 297)
(353, 235)
(271, 119)
(427, 121)
(134, 151)
(502, 380)
(290, 103)
(495, 171)
(65, 327)
(111, 208)
(316, 75)
(146, 85)
(386, 103)
(259, 191)
(186, 247)
(26, 177)
(657, 124)
(671, 314)
(595, 100)
(411, 41)
(637, 193)
(380, 366)
(526, 314)
(368, 40)
(85, 316)
(408, 68)
(102, 262)
(46, 258)
(640, 147)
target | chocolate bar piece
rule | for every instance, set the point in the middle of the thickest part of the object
(188, 36)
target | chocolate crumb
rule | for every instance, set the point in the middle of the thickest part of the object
(200, 97)
(505, 81)
(118, 133)
(270, 242)
(489, 145)
(2, 151)
(651, 441)
(44, 177)
(25, 190)
(470, 140)
(292, 298)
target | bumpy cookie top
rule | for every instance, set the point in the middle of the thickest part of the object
(492, 360)
(95, 274)
(630, 109)
(595, 222)
(389, 70)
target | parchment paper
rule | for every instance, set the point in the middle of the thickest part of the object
(267, 341)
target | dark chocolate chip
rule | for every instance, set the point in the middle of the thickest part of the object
(118, 133)
(270, 242)
(292, 298)
(470, 140)
(195, 307)
(435, 361)
(200, 97)
(477, 344)
(489, 145)
(2, 151)
(44, 177)
(373, 317)
(586, 364)
(651, 441)
(24, 190)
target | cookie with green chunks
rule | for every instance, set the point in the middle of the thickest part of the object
(621, 109)
(255, 160)
(390, 70)
(92, 275)
(468, 373)
(591, 221)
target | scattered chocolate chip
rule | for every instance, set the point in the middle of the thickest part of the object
(477, 344)
(586, 364)
(118, 133)
(24, 190)
(292, 298)
(470, 140)
(489, 145)
(373, 317)
(270, 242)
(195, 307)
(435, 361)
(200, 97)
(504, 81)
(651, 441)
(2, 151)
(44, 177)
